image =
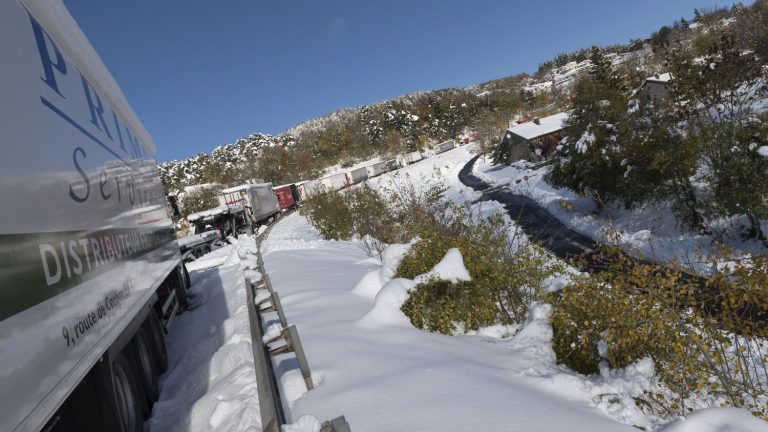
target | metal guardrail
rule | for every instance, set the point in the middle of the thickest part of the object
(270, 400)
(270, 403)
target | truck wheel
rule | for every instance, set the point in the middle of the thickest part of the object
(157, 335)
(127, 396)
(147, 365)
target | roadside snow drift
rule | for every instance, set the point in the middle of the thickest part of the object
(210, 384)
(393, 377)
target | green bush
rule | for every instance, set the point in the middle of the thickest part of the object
(371, 219)
(331, 214)
(438, 305)
(377, 218)
(623, 307)
(506, 276)
(707, 338)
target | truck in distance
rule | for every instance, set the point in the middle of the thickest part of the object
(257, 199)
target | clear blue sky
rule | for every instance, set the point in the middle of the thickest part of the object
(201, 73)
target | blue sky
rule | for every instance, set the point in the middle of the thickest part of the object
(201, 73)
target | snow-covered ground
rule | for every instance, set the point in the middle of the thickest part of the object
(383, 374)
(443, 168)
(650, 229)
(210, 384)
(370, 364)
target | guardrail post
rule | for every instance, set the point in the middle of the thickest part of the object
(293, 344)
(339, 424)
(270, 402)
(274, 306)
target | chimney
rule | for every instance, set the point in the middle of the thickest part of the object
(536, 120)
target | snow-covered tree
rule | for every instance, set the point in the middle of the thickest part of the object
(588, 159)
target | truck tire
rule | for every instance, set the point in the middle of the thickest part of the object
(148, 370)
(155, 330)
(127, 395)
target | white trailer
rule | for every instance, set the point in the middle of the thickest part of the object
(90, 272)
(376, 169)
(334, 181)
(309, 188)
(409, 158)
(258, 199)
(444, 146)
(356, 176)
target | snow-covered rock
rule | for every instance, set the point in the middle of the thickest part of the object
(718, 420)
(306, 423)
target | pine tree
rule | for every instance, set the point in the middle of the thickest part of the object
(502, 154)
(696, 15)
(658, 160)
(587, 160)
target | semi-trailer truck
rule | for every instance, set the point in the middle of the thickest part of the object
(90, 274)
(258, 200)
(409, 158)
(356, 176)
(335, 181)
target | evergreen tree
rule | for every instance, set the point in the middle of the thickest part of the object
(658, 160)
(737, 175)
(502, 154)
(587, 161)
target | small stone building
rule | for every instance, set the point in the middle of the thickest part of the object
(534, 140)
(654, 88)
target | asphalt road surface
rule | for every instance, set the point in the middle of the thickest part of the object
(534, 220)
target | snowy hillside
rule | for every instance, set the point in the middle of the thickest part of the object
(650, 230)
(370, 364)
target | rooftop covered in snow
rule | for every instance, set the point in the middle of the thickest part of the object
(661, 78)
(540, 127)
(246, 187)
(205, 214)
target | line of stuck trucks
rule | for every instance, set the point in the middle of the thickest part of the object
(246, 207)
(91, 273)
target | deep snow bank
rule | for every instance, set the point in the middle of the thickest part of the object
(718, 420)
(391, 376)
(210, 384)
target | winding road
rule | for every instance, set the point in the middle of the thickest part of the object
(534, 220)
(546, 230)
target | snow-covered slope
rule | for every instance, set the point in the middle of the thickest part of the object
(385, 375)
(371, 365)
